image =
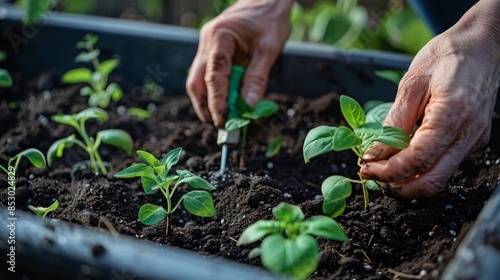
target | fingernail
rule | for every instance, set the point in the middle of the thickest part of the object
(372, 154)
(252, 98)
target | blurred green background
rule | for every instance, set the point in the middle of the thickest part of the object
(388, 25)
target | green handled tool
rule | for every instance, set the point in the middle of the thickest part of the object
(232, 137)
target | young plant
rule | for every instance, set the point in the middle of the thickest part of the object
(5, 78)
(274, 146)
(33, 155)
(114, 137)
(289, 247)
(98, 90)
(244, 115)
(154, 177)
(42, 211)
(139, 113)
(364, 130)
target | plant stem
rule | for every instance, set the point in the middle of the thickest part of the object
(243, 147)
(168, 221)
(365, 191)
(4, 169)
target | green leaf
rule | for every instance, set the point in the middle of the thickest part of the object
(5, 78)
(352, 111)
(91, 113)
(89, 41)
(79, 75)
(199, 203)
(241, 105)
(107, 66)
(150, 185)
(236, 123)
(65, 119)
(274, 146)
(262, 109)
(150, 214)
(2, 56)
(370, 105)
(34, 10)
(38, 210)
(139, 113)
(87, 56)
(345, 139)
(368, 133)
(98, 80)
(114, 91)
(318, 141)
(34, 156)
(293, 257)
(323, 226)
(378, 113)
(288, 213)
(86, 91)
(117, 138)
(393, 76)
(258, 230)
(193, 180)
(254, 253)
(57, 148)
(394, 137)
(136, 170)
(335, 189)
(150, 159)
(52, 207)
(372, 185)
(171, 159)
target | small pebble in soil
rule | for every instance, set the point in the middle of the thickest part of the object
(497, 161)
(371, 204)
(453, 233)
(270, 165)
(423, 272)
(121, 110)
(187, 132)
(318, 197)
(287, 195)
(170, 125)
(31, 176)
(152, 139)
(343, 165)
(488, 163)
(43, 119)
(435, 273)
(368, 268)
(46, 95)
(414, 201)
(222, 221)
(174, 111)
(290, 112)
(151, 107)
(440, 258)
(448, 207)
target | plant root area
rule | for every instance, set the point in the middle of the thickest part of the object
(391, 238)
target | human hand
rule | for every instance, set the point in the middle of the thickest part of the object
(451, 85)
(250, 33)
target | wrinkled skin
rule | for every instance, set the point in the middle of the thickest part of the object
(249, 33)
(451, 86)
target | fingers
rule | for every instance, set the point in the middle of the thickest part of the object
(197, 91)
(407, 109)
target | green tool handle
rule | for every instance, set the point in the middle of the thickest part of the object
(237, 73)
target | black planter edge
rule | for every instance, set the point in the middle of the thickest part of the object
(478, 255)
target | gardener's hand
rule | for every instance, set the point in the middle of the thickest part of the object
(250, 33)
(452, 84)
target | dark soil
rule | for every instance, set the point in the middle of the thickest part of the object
(416, 237)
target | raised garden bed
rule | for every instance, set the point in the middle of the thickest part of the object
(413, 239)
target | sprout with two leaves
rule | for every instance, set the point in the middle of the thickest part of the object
(364, 130)
(155, 177)
(114, 137)
(99, 92)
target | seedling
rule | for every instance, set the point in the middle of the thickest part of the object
(274, 146)
(98, 90)
(364, 130)
(42, 211)
(139, 113)
(5, 78)
(33, 155)
(114, 137)
(154, 176)
(245, 114)
(289, 246)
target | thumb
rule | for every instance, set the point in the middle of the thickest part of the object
(256, 77)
